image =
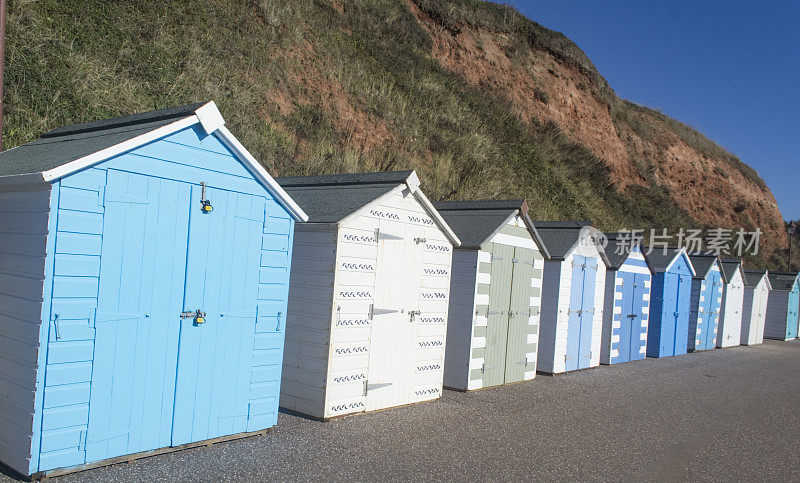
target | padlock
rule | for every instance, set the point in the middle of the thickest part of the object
(206, 206)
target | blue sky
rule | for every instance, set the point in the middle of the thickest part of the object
(730, 69)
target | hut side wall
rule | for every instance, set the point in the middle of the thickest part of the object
(775, 326)
(552, 295)
(308, 323)
(729, 334)
(460, 319)
(24, 220)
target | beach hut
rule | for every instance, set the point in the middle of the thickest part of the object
(627, 302)
(782, 306)
(668, 325)
(707, 287)
(495, 294)
(754, 306)
(570, 323)
(729, 331)
(369, 295)
(145, 270)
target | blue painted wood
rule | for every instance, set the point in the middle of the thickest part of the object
(587, 312)
(222, 279)
(669, 318)
(638, 328)
(682, 310)
(713, 286)
(571, 361)
(625, 330)
(121, 267)
(136, 324)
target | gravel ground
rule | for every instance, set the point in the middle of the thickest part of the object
(723, 414)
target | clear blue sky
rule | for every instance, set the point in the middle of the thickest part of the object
(731, 69)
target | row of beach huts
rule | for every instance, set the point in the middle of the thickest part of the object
(146, 303)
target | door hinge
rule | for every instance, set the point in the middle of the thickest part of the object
(373, 311)
(385, 236)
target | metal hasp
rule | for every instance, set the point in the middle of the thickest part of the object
(198, 315)
(205, 205)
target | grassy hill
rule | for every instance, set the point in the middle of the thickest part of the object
(318, 86)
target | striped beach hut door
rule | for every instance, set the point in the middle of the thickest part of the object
(497, 325)
(519, 315)
(627, 316)
(393, 331)
(637, 331)
(571, 357)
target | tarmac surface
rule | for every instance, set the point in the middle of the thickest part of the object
(716, 415)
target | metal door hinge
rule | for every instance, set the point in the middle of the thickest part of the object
(373, 311)
(385, 236)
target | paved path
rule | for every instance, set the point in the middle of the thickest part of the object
(723, 414)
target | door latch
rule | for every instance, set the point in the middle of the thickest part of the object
(198, 315)
(414, 313)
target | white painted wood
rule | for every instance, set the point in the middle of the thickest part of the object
(341, 272)
(729, 333)
(308, 322)
(24, 209)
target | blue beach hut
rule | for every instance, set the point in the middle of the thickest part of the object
(145, 265)
(707, 288)
(627, 302)
(669, 302)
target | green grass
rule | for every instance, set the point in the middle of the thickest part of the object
(72, 61)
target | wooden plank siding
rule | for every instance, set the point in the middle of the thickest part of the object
(354, 291)
(614, 313)
(460, 319)
(554, 322)
(308, 323)
(24, 222)
(71, 284)
(513, 234)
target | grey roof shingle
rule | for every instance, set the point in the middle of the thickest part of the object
(753, 276)
(475, 221)
(618, 248)
(68, 143)
(331, 198)
(729, 267)
(702, 264)
(782, 280)
(560, 236)
(659, 258)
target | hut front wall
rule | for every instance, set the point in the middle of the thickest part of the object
(555, 323)
(309, 318)
(360, 378)
(461, 318)
(24, 221)
(516, 236)
(96, 308)
(615, 314)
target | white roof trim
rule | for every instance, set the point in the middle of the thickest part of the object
(261, 174)
(209, 117)
(683, 252)
(502, 225)
(412, 181)
(765, 277)
(90, 160)
(436, 216)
